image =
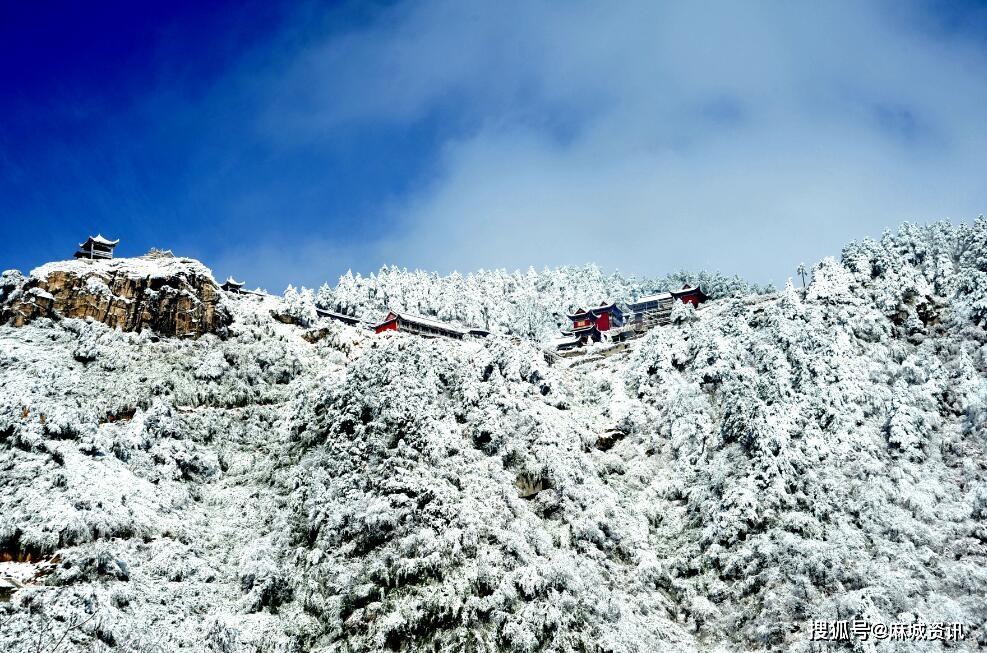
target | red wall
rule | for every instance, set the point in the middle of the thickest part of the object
(603, 322)
(387, 326)
(690, 298)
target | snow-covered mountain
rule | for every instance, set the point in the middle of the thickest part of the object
(283, 482)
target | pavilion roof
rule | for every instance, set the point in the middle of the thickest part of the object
(98, 238)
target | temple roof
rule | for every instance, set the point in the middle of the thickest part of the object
(422, 320)
(98, 238)
(232, 282)
(688, 288)
(342, 317)
(651, 298)
(595, 312)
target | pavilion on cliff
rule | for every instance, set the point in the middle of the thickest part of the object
(232, 285)
(96, 247)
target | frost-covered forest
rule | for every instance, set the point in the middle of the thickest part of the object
(531, 304)
(767, 460)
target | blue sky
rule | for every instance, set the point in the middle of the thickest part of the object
(290, 141)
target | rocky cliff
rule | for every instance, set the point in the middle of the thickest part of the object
(171, 296)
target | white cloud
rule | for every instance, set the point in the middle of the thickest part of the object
(739, 136)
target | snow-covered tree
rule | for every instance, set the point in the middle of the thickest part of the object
(299, 306)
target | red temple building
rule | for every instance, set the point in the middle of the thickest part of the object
(425, 326)
(592, 323)
(689, 294)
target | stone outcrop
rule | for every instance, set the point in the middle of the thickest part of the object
(171, 296)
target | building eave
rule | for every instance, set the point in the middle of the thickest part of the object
(99, 240)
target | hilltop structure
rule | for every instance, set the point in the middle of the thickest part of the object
(655, 310)
(651, 310)
(689, 294)
(425, 326)
(591, 324)
(232, 285)
(96, 247)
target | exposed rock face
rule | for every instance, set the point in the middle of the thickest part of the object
(10, 282)
(172, 296)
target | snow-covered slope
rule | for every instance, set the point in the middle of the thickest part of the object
(768, 460)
